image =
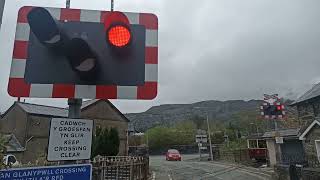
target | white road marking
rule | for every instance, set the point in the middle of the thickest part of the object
(169, 177)
(241, 169)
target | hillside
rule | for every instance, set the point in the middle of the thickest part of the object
(171, 114)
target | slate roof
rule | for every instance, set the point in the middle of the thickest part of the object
(51, 111)
(294, 133)
(88, 103)
(13, 144)
(312, 93)
(255, 136)
(43, 110)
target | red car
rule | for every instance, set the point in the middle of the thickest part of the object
(173, 155)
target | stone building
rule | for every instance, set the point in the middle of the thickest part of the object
(308, 106)
(29, 124)
(311, 140)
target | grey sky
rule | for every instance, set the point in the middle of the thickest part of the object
(210, 49)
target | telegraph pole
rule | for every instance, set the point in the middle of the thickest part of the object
(112, 5)
(209, 132)
(68, 4)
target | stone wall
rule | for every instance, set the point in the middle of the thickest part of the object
(14, 122)
(38, 126)
(311, 173)
(306, 113)
(36, 149)
(309, 142)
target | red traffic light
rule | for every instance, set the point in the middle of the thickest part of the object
(119, 35)
(279, 107)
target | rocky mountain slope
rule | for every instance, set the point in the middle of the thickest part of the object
(171, 114)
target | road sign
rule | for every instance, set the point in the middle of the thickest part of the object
(73, 53)
(202, 138)
(279, 140)
(68, 172)
(70, 139)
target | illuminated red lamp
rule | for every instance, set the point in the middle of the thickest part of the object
(117, 28)
(279, 108)
(119, 35)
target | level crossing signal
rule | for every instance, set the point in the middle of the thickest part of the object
(273, 111)
(72, 53)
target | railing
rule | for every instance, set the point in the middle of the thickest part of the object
(236, 156)
(121, 168)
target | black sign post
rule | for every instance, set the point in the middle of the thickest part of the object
(2, 2)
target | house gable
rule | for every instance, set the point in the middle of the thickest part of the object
(102, 109)
(310, 127)
(14, 122)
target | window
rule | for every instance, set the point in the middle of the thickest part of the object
(262, 144)
(252, 143)
(318, 148)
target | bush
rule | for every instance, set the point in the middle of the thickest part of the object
(163, 137)
(2, 150)
(234, 145)
(106, 142)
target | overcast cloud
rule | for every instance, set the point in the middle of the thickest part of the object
(210, 49)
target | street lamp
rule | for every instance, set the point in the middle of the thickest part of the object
(209, 132)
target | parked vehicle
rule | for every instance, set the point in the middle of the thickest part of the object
(173, 155)
(10, 160)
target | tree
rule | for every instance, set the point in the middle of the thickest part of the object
(114, 141)
(198, 121)
(163, 137)
(106, 142)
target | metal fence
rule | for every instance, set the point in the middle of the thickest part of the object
(121, 168)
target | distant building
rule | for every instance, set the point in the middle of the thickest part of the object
(29, 124)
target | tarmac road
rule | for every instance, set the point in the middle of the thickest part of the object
(190, 169)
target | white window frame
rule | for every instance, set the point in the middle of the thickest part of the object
(317, 145)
